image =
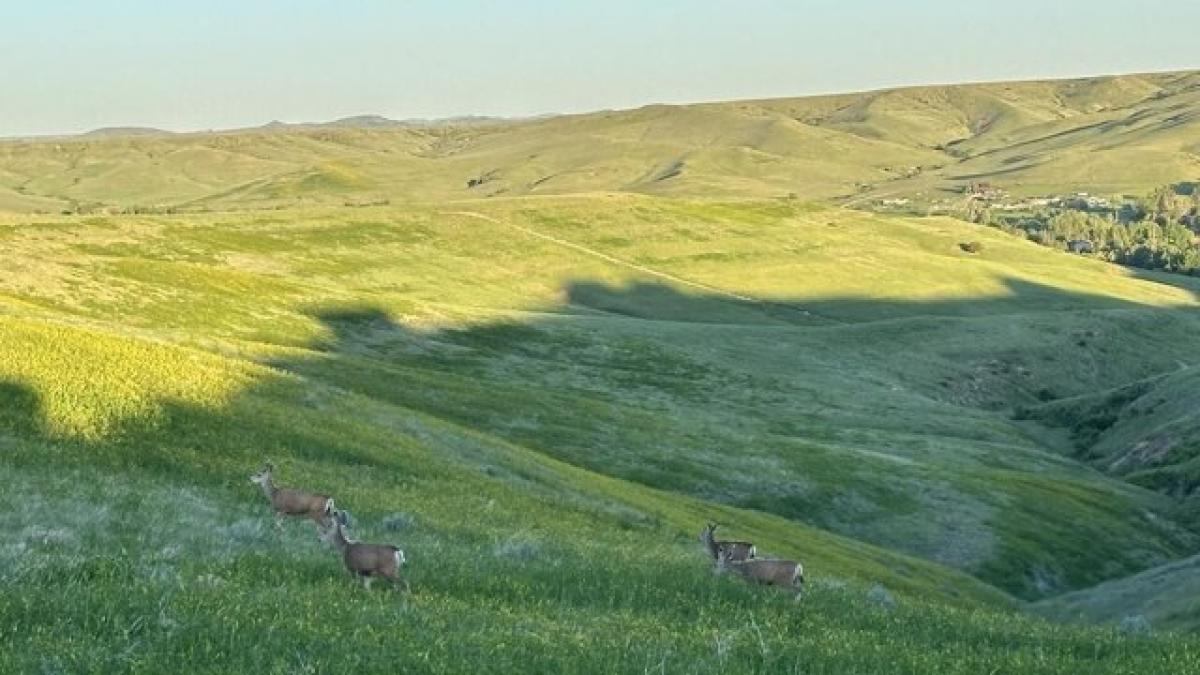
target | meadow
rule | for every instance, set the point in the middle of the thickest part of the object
(542, 400)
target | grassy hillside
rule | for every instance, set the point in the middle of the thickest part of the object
(744, 354)
(1145, 431)
(542, 399)
(127, 462)
(1164, 596)
(1108, 135)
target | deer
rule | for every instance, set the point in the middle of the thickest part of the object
(784, 573)
(287, 502)
(366, 561)
(738, 550)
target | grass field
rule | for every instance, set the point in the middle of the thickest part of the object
(542, 400)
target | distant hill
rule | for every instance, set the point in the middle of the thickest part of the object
(1106, 135)
(363, 121)
(381, 122)
(118, 132)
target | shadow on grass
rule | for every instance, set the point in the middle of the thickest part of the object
(20, 412)
(370, 353)
(661, 302)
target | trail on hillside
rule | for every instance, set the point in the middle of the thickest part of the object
(618, 261)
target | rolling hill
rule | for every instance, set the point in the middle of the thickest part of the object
(1107, 135)
(540, 354)
(1163, 595)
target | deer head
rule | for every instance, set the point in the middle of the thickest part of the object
(263, 477)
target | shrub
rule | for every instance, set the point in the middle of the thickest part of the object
(1134, 624)
(398, 522)
(882, 597)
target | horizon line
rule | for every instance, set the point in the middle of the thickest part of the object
(418, 122)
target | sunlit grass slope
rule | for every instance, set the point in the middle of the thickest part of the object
(542, 400)
(1111, 135)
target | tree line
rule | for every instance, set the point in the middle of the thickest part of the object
(1160, 231)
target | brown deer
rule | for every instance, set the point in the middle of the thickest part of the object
(367, 561)
(288, 502)
(738, 550)
(785, 573)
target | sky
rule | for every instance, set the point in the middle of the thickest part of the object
(68, 67)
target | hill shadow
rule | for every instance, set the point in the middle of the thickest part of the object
(658, 301)
(527, 380)
(364, 341)
(20, 412)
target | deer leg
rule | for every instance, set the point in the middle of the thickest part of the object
(367, 581)
(278, 520)
(398, 582)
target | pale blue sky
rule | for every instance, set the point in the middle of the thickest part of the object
(73, 66)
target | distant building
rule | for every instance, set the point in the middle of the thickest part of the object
(984, 191)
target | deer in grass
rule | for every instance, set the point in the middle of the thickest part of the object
(287, 502)
(738, 550)
(784, 573)
(366, 561)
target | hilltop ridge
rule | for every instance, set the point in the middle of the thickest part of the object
(1029, 138)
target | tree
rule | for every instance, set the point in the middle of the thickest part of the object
(1191, 261)
(1167, 205)
(1142, 257)
(1194, 215)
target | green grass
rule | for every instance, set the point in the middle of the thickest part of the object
(548, 397)
(1164, 595)
(199, 577)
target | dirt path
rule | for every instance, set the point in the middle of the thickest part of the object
(617, 261)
